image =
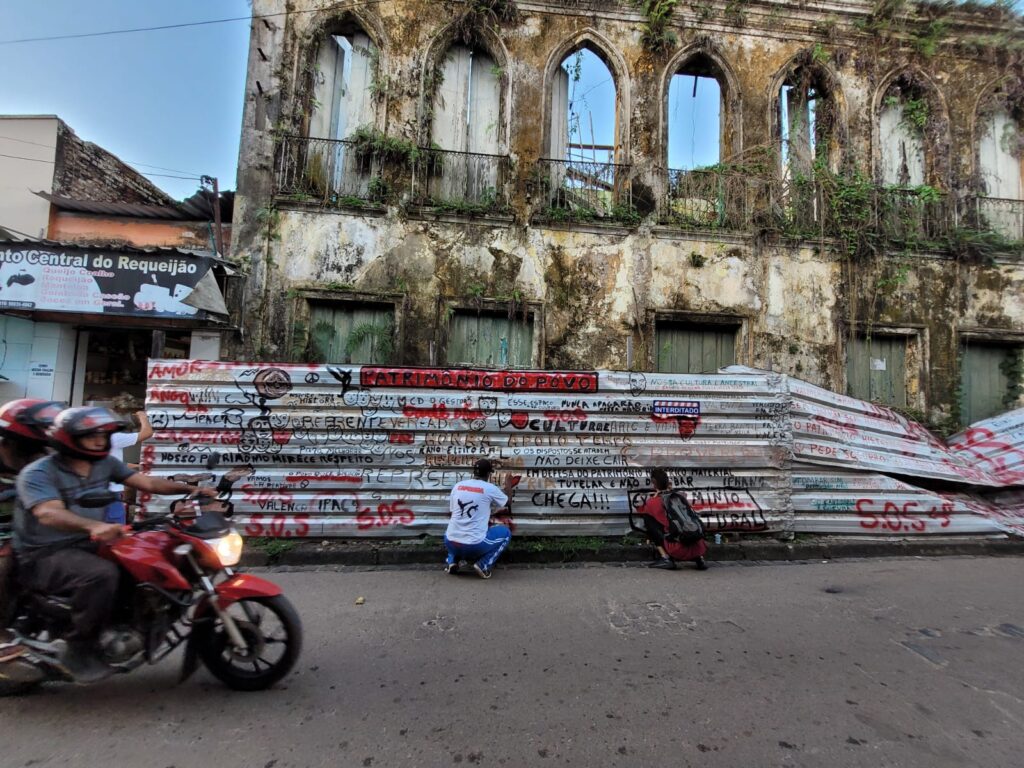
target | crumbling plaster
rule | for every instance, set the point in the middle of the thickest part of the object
(598, 285)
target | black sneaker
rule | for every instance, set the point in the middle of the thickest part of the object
(451, 568)
(702, 564)
(483, 573)
(84, 664)
(665, 564)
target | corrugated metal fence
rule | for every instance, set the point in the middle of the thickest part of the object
(319, 451)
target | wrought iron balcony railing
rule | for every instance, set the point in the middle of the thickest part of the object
(462, 182)
(711, 199)
(1003, 216)
(329, 172)
(580, 190)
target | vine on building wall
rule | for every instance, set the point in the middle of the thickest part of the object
(657, 36)
(484, 14)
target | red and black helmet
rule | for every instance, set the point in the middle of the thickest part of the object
(72, 424)
(28, 419)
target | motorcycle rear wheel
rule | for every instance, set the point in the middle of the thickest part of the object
(273, 631)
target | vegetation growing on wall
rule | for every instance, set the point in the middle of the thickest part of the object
(484, 14)
(657, 36)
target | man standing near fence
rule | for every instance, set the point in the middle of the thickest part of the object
(468, 537)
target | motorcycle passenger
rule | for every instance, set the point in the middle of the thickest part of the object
(23, 425)
(56, 538)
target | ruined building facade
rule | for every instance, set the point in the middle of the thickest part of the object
(409, 193)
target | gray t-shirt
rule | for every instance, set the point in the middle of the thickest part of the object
(50, 479)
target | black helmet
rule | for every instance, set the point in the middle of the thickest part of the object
(73, 424)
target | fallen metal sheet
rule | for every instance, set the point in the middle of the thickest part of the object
(836, 501)
(995, 446)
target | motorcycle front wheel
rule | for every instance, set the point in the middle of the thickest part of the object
(273, 635)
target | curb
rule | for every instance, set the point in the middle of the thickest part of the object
(361, 553)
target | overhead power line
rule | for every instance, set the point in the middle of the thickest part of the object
(182, 25)
(190, 174)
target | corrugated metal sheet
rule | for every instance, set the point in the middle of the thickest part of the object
(359, 451)
(995, 446)
(834, 501)
(324, 450)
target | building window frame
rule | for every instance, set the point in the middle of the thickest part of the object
(993, 337)
(448, 307)
(916, 359)
(738, 323)
(302, 313)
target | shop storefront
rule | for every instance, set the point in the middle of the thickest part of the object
(79, 324)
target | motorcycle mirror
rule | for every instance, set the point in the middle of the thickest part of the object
(212, 460)
(96, 499)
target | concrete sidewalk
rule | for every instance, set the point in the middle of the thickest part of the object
(553, 551)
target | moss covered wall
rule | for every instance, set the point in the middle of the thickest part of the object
(592, 287)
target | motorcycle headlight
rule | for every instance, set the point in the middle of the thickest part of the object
(228, 549)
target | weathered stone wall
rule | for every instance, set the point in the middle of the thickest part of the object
(593, 286)
(85, 171)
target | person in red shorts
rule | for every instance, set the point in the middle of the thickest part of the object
(656, 525)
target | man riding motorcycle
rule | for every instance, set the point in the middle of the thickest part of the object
(23, 425)
(55, 536)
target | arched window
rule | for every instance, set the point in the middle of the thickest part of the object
(342, 105)
(1001, 172)
(584, 144)
(902, 119)
(698, 194)
(466, 124)
(342, 88)
(807, 120)
(467, 102)
(583, 110)
(911, 164)
(695, 115)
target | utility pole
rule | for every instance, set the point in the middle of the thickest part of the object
(218, 235)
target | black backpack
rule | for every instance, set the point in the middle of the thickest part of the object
(684, 525)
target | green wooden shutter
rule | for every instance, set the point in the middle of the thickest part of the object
(694, 349)
(490, 340)
(876, 369)
(331, 325)
(984, 383)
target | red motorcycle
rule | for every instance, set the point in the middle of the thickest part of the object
(177, 587)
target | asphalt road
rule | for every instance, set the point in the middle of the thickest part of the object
(870, 663)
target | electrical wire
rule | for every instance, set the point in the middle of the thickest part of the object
(182, 25)
(190, 175)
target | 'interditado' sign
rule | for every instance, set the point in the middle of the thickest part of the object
(101, 282)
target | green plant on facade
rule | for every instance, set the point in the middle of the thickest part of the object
(735, 14)
(381, 338)
(488, 202)
(368, 142)
(657, 37)
(1013, 369)
(697, 260)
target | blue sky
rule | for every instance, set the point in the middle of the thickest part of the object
(693, 126)
(169, 98)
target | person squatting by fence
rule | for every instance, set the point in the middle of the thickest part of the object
(656, 525)
(468, 537)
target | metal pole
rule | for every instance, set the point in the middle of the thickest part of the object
(156, 349)
(216, 218)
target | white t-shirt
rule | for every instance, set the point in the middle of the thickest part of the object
(118, 442)
(470, 506)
